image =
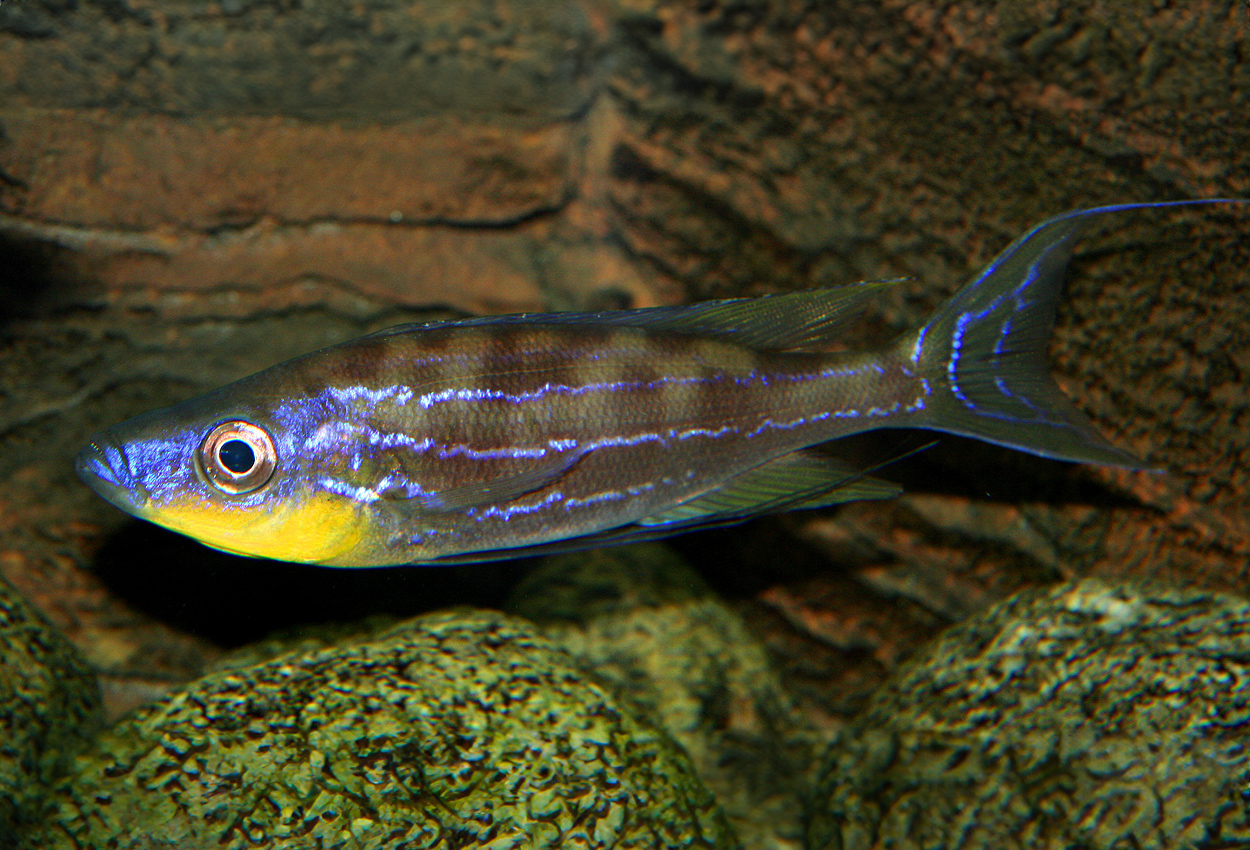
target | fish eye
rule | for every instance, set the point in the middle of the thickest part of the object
(237, 457)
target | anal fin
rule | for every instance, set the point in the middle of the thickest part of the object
(800, 479)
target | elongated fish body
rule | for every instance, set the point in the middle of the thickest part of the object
(458, 441)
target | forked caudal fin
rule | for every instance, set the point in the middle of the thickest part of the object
(984, 352)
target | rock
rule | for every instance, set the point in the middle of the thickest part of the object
(48, 702)
(452, 730)
(379, 58)
(1078, 716)
(303, 640)
(643, 620)
(407, 152)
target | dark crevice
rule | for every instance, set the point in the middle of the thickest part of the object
(192, 588)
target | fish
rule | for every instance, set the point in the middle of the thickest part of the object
(509, 436)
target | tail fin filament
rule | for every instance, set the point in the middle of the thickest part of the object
(984, 352)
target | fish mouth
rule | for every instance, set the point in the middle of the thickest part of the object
(103, 466)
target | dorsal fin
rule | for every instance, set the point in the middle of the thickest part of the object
(793, 321)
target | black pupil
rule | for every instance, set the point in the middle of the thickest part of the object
(237, 456)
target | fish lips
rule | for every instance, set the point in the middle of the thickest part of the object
(103, 466)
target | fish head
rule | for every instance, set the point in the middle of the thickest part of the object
(235, 475)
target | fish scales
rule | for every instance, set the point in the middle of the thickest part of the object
(505, 436)
(641, 420)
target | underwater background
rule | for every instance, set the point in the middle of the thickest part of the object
(191, 191)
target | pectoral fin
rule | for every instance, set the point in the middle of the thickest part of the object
(797, 480)
(492, 491)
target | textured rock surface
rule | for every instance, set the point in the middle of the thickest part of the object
(49, 704)
(645, 622)
(374, 58)
(1080, 716)
(453, 730)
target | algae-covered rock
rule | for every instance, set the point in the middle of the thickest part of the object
(452, 730)
(1080, 716)
(49, 700)
(303, 639)
(643, 620)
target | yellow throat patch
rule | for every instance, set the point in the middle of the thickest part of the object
(314, 530)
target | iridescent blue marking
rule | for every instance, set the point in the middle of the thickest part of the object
(396, 484)
(400, 395)
(339, 436)
(918, 348)
(1004, 331)
(418, 537)
(474, 394)
(348, 491)
(507, 513)
(165, 469)
(504, 453)
(845, 413)
(770, 425)
(664, 438)
(926, 390)
(163, 464)
(336, 433)
(612, 495)
(113, 468)
(839, 372)
(957, 342)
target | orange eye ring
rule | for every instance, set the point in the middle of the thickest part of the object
(237, 457)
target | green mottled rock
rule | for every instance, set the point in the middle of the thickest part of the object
(643, 620)
(49, 700)
(461, 729)
(303, 639)
(1080, 716)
